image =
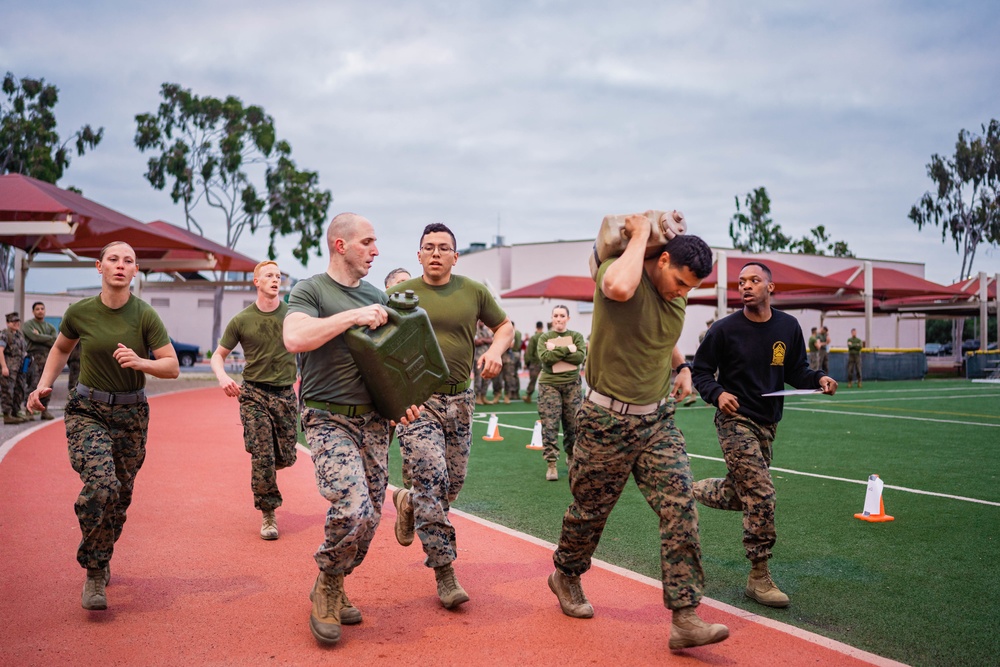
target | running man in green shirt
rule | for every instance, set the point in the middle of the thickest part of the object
(436, 446)
(267, 397)
(626, 426)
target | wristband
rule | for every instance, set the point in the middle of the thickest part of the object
(683, 366)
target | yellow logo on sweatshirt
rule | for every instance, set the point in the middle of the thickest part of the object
(778, 354)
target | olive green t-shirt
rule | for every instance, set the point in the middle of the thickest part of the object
(549, 357)
(531, 352)
(632, 341)
(329, 373)
(453, 310)
(260, 334)
(100, 329)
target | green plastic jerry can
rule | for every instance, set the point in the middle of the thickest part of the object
(400, 362)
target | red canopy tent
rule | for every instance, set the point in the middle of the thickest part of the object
(892, 284)
(786, 278)
(570, 288)
(39, 217)
(226, 259)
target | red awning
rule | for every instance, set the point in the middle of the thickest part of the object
(893, 284)
(25, 200)
(786, 278)
(226, 259)
(569, 288)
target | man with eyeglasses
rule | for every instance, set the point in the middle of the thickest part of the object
(436, 445)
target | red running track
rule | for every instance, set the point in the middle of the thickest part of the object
(193, 583)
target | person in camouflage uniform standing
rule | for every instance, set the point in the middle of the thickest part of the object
(14, 383)
(626, 426)
(559, 388)
(436, 446)
(267, 397)
(511, 366)
(754, 351)
(41, 336)
(854, 346)
(532, 361)
(482, 342)
(107, 415)
(348, 440)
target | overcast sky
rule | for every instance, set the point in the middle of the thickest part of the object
(536, 119)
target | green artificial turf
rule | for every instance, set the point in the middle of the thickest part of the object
(922, 589)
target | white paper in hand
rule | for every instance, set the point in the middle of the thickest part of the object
(794, 392)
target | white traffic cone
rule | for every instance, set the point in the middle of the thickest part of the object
(536, 437)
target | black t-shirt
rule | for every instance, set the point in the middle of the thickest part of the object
(753, 358)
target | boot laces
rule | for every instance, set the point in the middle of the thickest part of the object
(575, 590)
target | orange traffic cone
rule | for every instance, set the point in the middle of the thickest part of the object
(874, 510)
(536, 437)
(493, 430)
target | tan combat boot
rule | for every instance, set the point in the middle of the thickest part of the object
(480, 399)
(760, 587)
(327, 597)
(46, 415)
(571, 596)
(269, 526)
(687, 630)
(403, 501)
(450, 591)
(349, 614)
(506, 398)
(552, 473)
(94, 597)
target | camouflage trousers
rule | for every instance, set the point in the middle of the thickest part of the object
(436, 457)
(107, 445)
(533, 370)
(351, 456)
(35, 374)
(270, 438)
(511, 365)
(854, 367)
(480, 384)
(747, 487)
(609, 447)
(559, 403)
(13, 389)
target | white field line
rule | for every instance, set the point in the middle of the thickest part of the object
(863, 482)
(866, 399)
(799, 633)
(874, 416)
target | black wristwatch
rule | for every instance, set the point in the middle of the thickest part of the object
(683, 366)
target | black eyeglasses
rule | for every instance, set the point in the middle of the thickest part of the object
(429, 248)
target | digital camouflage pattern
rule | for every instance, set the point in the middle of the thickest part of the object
(609, 448)
(14, 387)
(351, 457)
(35, 374)
(435, 457)
(511, 365)
(107, 445)
(270, 438)
(559, 403)
(747, 487)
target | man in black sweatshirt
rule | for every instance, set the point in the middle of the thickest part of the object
(755, 351)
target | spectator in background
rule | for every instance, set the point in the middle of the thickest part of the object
(823, 343)
(14, 382)
(532, 361)
(41, 336)
(560, 392)
(813, 350)
(511, 366)
(395, 277)
(854, 345)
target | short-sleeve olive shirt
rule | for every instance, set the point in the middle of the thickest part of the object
(453, 309)
(100, 329)
(632, 342)
(260, 334)
(329, 373)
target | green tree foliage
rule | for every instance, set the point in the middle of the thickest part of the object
(819, 243)
(222, 159)
(752, 230)
(966, 201)
(29, 142)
